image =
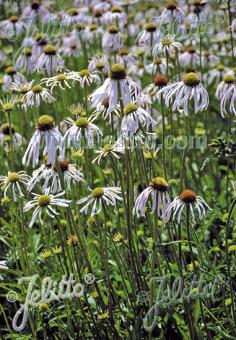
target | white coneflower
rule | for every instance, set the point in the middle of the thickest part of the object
(39, 174)
(93, 33)
(104, 110)
(52, 179)
(215, 74)
(25, 61)
(140, 54)
(36, 95)
(180, 94)
(150, 36)
(199, 14)
(5, 132)
(61, 80)
(137, 71)
(71, 45)
(40, 42)
(230, 97)
(52, 139)
(220, 42)
(189, 57)
(34, 12)
(82, 131)
(49, 61)
(187, 197)
(143, 100)
(110, 89)
(171, 12)
(166, 46)
(108, 150)
(224, 86)
(99, 62)
(112, 40)
(45, 203)
(12, 76)
(72, 16)
(226, 93)
(159, 82)
(13, 182)
(8, 104)
(209, 58)
(98, 197)
(76, 110)
(115, 15)
(125, 58)
(135, 116)
(68, 38)
(11, 27)
(21, 88)
(157, 190)
(85, 77)
(20, 103)
(158, 65)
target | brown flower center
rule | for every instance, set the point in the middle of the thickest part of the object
(13, 177)
(45, 123)
(123, 51)
(113, 29)
(43, 201)
(35, 5)
(64, 165)
(117, 72)
(6, 129)
(160, 80)
(97, 14)
(13, 19)
(159, 183)
(105, 102)
(171, 5)
(191, 50)
(150, 27)
(187, 196)
(10, 71)
(191, 79)
(50, 50)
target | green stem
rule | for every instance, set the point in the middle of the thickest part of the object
(11, 140)
(189, 237)
(228, 261)
(154, 253)
(106, 260)
(163, 136)
(231, 32)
